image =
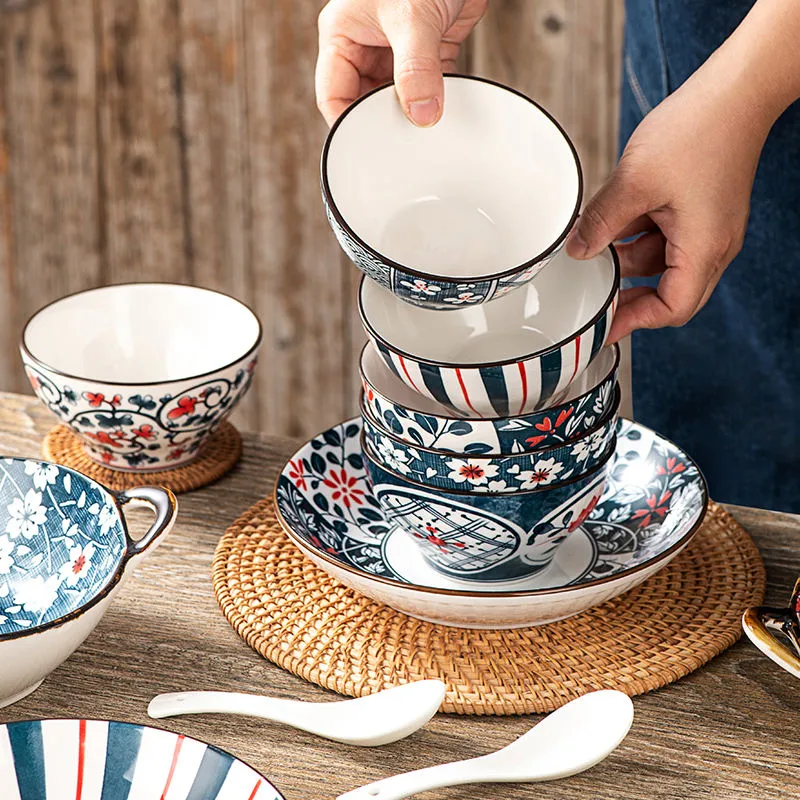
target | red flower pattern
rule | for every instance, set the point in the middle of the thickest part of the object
(95, 400)
(471, 472)
(185, 406)
(434, 538)
(657, 507)
(144, 432)
(548, 426)
(584, 515)
(176, 453)
(674, 467)
(78, 564)
(296, 474)
(111, 439)
(107, 457)
(344, 487)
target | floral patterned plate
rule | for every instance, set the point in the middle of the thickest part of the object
(654, 502)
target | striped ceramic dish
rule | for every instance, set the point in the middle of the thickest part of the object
(492, 474)
(419, 421)
(80, 759)
(478, 361)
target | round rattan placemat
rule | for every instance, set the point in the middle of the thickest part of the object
(217, 458)
(294, 614)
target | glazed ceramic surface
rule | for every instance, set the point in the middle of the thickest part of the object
(64, 549)
(55, 759)
(143, 373)
(488, 537)
(515, 355)
(420, 421)
(652, 505)
(500, 474)
(421, 215)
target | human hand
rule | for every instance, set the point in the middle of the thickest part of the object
(684, 183)
(365, 43)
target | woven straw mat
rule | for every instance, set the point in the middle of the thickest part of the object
(217, 458)
(294, 614)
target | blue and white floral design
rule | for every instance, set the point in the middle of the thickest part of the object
(61, 539)
(487, 473)
(653, 500)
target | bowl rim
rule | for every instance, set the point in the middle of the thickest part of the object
(448, 279)
(129, 724)
(537, 354)
(105, 589)
(531, 593)
(610, 416)
(614, 347)
(40, 364)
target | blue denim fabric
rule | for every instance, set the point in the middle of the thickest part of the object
(726, 387)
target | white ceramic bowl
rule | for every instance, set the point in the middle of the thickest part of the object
(515, 355)
(64, 553)
(458, 213)
(142, 372)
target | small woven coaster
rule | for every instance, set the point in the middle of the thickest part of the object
(292, 613)
(217, 458)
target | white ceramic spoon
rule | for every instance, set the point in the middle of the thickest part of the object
(368, 721)
(571, 739)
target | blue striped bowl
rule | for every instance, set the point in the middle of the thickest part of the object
(80, 759)
(515, 355)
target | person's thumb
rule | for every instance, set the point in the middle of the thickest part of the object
(616, 205)
(416, 38)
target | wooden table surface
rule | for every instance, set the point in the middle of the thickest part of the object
(729, 730)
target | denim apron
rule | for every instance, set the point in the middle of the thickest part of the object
(726, 386)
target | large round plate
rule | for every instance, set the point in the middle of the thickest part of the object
(654, 502)
(56, 759)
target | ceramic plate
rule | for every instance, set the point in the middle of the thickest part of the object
(56, 759)
(654, 502)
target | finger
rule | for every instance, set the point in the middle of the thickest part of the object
(618, 203)
(643, 224)
(643, 257)
(337, 82)
(416, 42)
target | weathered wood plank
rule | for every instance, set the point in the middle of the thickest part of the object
(140, 119)
(297, 280)
(726, 731)
(49, 204)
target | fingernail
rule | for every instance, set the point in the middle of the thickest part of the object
(424, 112)
(576, 246)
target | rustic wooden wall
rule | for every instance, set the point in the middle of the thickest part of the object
(178, 140)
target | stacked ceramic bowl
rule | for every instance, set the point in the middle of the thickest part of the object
(490, 401)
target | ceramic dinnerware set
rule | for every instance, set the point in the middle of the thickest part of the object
(488, 481)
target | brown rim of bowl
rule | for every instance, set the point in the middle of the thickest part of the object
(373, 334)
(128, 724)
(328, 194)
(614, 347)
(679, 545)
(104, 591)
(612, 413)
(44, 366)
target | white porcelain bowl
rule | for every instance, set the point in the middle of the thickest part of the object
(458, 213)
(142, 372)
(517, 354)
(65, 551)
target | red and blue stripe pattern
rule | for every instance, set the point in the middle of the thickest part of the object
(509, 389)
(71, 759)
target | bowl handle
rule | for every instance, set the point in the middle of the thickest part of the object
(165, 505)
(758, 624)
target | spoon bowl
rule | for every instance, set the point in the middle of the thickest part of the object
(369, 721)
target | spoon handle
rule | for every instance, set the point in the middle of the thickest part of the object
(272, 708)
(421, 780)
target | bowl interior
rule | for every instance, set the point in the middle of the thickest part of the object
(61, 541)
(551, 309)
(141, 333)
(377, 375)
(493, 185)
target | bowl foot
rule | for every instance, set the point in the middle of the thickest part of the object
(8, 701)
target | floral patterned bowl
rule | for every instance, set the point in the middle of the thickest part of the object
(473, 536)
(422, 422)
(142, 372)
(64, 552)
(492, 474)
(515, 355)
(419, 213)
